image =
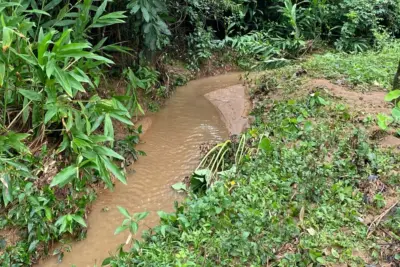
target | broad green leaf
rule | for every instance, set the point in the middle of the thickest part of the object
(79, 220)
(25, 113)
(145, 14)
(106, 261)
(33, 245)
(31, 95)
(48, 213)
(65, 36)
(335, 253)
(52, 4)
(81, 78)
(7, 38)
(105, 175)
(123, 119)
(114, 169)
(2, 73)
(124, 212)
(28, 58)
(103, 150)
(64, 23)
(109, 19)
(84, 77)
(266, 145)
(64, 144)
(70, 121)
(134, 227)
(97, 123)
(163, 228)
(74, 47)
(179, 187)
(7, 188)
(135, 8)
(50, 113)
(50, 67)
(3, 5)
(62, 79)
(396, 113)
(141, 215)
(100, 10)
(100, 138)
(392, 95)
(120, 229)
(108, 127)
(37, 11)
(43, 44)
(66, 175)
(384, 121)
(74, 83)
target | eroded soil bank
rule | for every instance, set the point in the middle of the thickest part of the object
(171, 142)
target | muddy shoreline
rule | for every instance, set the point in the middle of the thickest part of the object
(171, 140)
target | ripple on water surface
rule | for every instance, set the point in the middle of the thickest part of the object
(172, 148)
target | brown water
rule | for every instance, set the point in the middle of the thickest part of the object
(172, 147)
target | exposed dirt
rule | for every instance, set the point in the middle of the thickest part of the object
(233, 104)
(9, 237)
(368, 103)
(390, 141)
(371, 102)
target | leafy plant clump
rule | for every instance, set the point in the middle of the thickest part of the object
(374, 68)
(297, 189)
(57, 134)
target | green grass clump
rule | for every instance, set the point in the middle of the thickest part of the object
(296, 198)
(371, 67)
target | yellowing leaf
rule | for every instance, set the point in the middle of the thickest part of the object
(311, 231)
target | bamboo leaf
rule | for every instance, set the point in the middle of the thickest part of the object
(31, 95)
(37, 11)
(108, 127)
(63, 80)
(65, 176)
(114, 170)
(7, 38)
(44, 41)
(103, 150)
(145, 14)
(79, 220)
(2, 73)
(123, 119)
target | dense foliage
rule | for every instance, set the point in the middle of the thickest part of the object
(295, 191)
(56, 132)
(57, 137)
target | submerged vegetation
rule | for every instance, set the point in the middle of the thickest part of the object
(298, 188)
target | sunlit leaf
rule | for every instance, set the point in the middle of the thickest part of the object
(65, 176)
(124, 212)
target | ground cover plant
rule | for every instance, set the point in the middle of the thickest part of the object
(57, 134)
(305, 185)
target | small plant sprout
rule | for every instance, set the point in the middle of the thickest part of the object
(131, 223)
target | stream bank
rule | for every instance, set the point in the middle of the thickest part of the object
(171, 143)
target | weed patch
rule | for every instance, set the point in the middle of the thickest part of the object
(297, 189)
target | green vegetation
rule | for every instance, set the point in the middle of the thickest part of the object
(295, 190)
(307, 184)
(57, 127)
(57, 134)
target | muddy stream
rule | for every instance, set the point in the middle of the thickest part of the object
(208, 109)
